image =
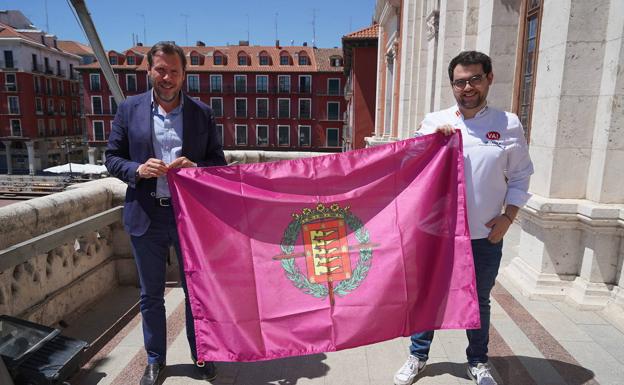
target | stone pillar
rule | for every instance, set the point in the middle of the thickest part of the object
(9, 157)
(571, 244)
(470, 25)
(30, 147)
(449, 45)
(498, 37)
(92, 156)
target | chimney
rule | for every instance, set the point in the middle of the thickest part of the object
(243, 42)
(277, 45)
(139, 44)
(305, 43)
(200, 43)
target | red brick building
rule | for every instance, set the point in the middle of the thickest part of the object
(39, 99)
(264, 97)
(360, 67)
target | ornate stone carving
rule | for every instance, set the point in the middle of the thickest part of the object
(433, 24)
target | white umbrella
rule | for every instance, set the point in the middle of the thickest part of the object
(77, 168)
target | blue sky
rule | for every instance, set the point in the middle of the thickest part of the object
(213, 22)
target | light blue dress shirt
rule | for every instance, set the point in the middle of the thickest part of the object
(166, 139)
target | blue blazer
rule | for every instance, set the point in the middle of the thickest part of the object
(130, 145)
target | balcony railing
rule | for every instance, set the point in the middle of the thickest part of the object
(36, 67)
(8, 65)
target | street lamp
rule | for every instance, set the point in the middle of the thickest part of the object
(67, 144)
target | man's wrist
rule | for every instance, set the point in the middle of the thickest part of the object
(137, 173)
(508, 218)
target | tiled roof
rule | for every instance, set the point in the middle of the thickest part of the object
(74, 47)
(7, 31)
(319, 59)
(371, 32)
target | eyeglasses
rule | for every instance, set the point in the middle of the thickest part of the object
(474, 81)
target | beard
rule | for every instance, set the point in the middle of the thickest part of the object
(470, 103)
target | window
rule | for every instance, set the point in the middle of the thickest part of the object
(62, 107)
(58, 67)
(194, 60)
(71, 71)
(264, 60)
(48, 87)
(262, 108)
(335, 61)
(262, 84)
(240, 108)
(283, 83)
(60, 90)
(305, 108)
(531, 25)
(131, 60)
(192, 82)
(94, 81)
(262, 135)
(35, 65)
(50, 106)
(113, 105)
(131, 83)
(96, 105)
(77, 126)
(242, 60)
(16, 127)
(52, 127)
(10, 82)
(37, 84)
(305, 136)
(217, 106)
(39, 106)
(98, 130)
(218, 60)
(46, 64)
(283, 108)
(333, 86)
(284, 59)
(113, 59)
(241, 134)
(332, 137)
(220, 134)
(240, 83)
(283, 135)
(40, 127)
(8, 60)
(305, 84)
(14, 107)
(333, 110)
(63, 127)
(216, 83)
(303, 60)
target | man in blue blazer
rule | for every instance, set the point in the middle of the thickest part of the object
(152, 133)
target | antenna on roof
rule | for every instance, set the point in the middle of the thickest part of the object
(46, 15)
(247, 27)
(185, 16)
(314, 27)
(276, 14)
(144, 30)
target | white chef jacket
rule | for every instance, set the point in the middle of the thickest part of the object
(497, 165)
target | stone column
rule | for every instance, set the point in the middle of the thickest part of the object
(571, 241)
(449, 45)
(30, 147)
(91, 151)
(9, 157)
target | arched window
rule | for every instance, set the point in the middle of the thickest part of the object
(304, 59)
(219, 59)
(285, 59)
(243, 59)
(264, 59)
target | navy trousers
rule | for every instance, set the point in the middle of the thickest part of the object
(150, 253)
(487, 257)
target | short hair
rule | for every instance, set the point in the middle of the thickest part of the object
(466, 58)
(168, 48)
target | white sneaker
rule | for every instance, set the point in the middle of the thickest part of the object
(481, 375)
(409, 371)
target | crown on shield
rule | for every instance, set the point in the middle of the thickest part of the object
(321, 212)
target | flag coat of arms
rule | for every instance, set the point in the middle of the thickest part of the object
(326, 253)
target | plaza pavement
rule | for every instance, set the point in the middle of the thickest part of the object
(532, 341)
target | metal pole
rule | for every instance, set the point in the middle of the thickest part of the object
(87, 24)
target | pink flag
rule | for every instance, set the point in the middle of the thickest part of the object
(327, 253)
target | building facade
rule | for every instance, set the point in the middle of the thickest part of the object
(558, 66)
(264, 98)
(40, 122)
(360, 67)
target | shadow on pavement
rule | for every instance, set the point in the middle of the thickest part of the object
(511, 372)
(286, 371)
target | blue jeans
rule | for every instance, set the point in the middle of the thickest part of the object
(150, 253)
(487, 258)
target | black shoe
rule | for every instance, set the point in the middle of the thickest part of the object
(151, 374)
(206, 370)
